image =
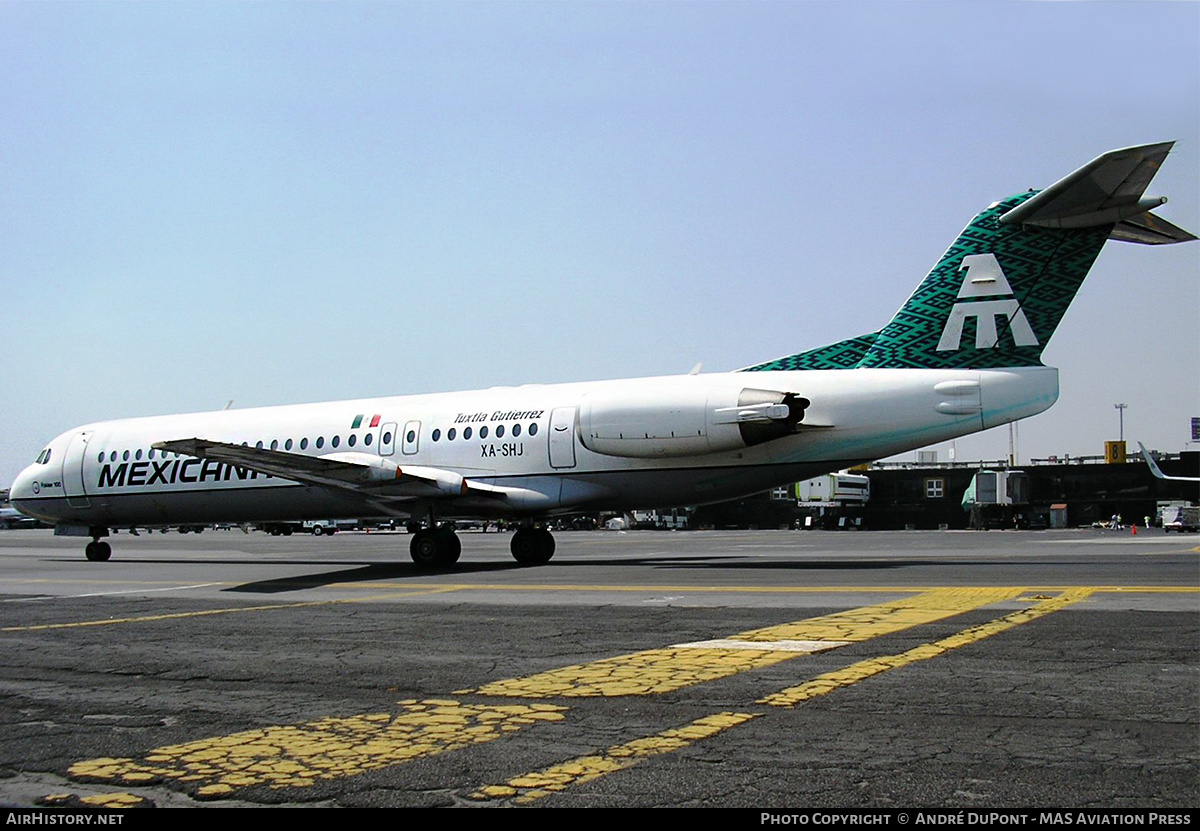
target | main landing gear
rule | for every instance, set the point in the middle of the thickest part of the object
(435, 547)
(532, 546)
(440, 547)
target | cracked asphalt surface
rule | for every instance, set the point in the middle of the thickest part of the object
(232, 669)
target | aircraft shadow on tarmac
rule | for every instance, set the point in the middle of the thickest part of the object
(364, 573)
(401, 571)
(368, 571)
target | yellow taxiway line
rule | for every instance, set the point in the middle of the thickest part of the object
(533, 786)
(299, 755)
(224, 611)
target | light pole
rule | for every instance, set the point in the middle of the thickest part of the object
(1121, 410)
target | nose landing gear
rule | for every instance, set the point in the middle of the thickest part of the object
(97, 551)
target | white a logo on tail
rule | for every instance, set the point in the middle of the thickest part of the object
(985, 278)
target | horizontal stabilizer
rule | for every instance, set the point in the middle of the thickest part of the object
(1106, 190)
(1149, 229)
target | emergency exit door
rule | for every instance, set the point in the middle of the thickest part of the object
(562, 437)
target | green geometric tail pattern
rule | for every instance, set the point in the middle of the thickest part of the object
(1043, 267)
(844, 354)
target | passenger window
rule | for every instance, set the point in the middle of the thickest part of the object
(100, 458)
(150, 455)
(112, 457)
(138, 455)
(437, 434)
(287, 445)
(467, 433)
(533, 429)
(274, 444)
(367, 439)
(499, 431)
(125, 456)
(411, 437)
(304, 444)
(336, 441)
(516, 430)
(258, 445)
(483, 432)
(320, 442)
(387, 437)
(353, 440)
(450, 434)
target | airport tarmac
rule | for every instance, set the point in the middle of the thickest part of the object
(766, 669)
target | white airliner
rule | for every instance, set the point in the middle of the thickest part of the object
(962, 355)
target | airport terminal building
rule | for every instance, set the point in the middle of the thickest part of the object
(1046, 493)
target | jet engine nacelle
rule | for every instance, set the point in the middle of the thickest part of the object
(376, 469)
(692, 420)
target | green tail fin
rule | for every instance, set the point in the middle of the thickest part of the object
(994, 299)
(997, 295)
(844, 354)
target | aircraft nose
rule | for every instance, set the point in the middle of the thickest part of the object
(25, 487)
(29, 490)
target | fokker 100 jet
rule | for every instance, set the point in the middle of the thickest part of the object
(963, 354)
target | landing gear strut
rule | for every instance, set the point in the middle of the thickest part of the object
(532, 546)
(435, 547)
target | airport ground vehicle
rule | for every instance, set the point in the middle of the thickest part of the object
(328, 527)
(1181, 518)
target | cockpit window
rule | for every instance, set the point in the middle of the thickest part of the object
(44, 457)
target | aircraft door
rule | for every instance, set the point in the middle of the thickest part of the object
(411, 437)
(72, 473)
(562, 437)
(387, 439)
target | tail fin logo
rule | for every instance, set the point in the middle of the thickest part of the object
(985, 278)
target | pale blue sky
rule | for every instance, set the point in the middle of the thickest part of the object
(277, 202)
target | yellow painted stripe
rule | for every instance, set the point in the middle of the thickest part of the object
(116, 800)
(873, 621)
(299, 755)
(854, 673)
(543, 783)
(640, 673)
(208, 612)
(663, 670)
(534, 786)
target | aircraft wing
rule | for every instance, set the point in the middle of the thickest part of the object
(361, 472)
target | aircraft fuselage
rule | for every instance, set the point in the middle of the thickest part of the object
(555, 448)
